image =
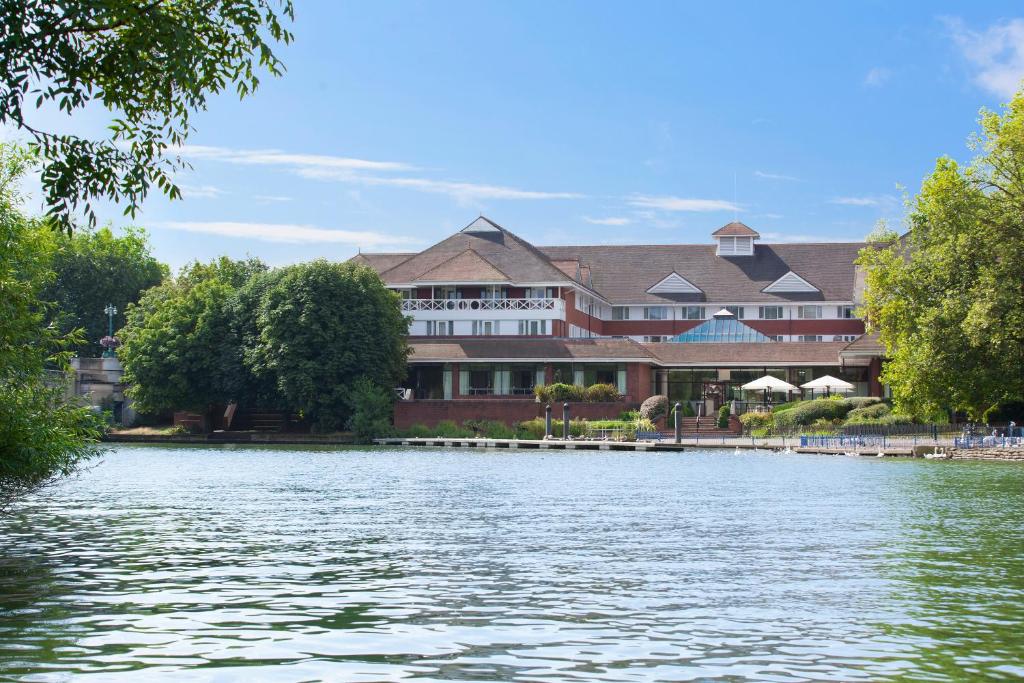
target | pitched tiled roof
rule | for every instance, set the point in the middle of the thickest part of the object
(624, 273)
(381, 262)
(736, 354)
(735, 228)
(519, 260)
(539, 349)
(468, 266)
(866, 344)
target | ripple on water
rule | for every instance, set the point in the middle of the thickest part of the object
(285, 565)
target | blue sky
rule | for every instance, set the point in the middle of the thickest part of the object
(584, 122)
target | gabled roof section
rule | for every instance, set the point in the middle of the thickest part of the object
(623, 273)
(515, 259)
(790, 283)
(674, 283)
(482, 225)
(735, 229)
(380, 262)
(468, 266)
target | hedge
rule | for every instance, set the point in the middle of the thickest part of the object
(574, 393)
(654, 407)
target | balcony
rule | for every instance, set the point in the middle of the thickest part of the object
(482, 305)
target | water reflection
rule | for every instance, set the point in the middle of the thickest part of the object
(959, 567)
(347, 565)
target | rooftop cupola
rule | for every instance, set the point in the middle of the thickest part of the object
(735, 239)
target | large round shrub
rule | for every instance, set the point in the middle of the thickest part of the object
(808, 411)
(654, 408)
(752, 421)
(856, 402)
(561, 393)
(869, 412)
(602, 393)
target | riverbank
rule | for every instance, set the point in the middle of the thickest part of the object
(789, 445)
(283, 438)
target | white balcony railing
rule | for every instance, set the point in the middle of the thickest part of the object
(412, 305)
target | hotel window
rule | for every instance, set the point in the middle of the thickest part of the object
(692, 313)
(810, 338)
(485, 327)
(447, 293)
(654, 338)
(494, 293)
(736, 311)
(620, 312)
(481, 382)
(407, 294)
(808, 312)
(846, 312)
(845, 337)
(770, 312)
(655, 312)
(533, 327)
(777, 337)
(540, 292)
(440, 328)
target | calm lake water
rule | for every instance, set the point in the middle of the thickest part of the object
(187, 564)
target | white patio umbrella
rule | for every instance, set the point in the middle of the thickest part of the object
(768, 384)
(829, 384)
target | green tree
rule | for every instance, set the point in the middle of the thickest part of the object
(370, 408)
(93, 268)
(324, 326)
(179, 344)
(43, 434)
(947, 299)
(151, 62)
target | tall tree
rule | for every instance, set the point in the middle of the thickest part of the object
(179, 346)
(948, 298)
(323, 327)
(149, 62)
(43, 435)
(93, 268)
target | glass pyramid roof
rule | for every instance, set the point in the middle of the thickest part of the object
(720, 329)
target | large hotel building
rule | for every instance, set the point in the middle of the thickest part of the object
(493, 315)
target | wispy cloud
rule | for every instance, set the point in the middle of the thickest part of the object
(996, 53)
(461, 191)
(268, 198)
(877, 77)
(668, 203)
(361, 172)
(856, 201)
(274, 157)
(288, 233)
(611, 220)
(200, 191)
(774, 176)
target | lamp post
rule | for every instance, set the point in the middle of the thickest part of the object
(111, 311)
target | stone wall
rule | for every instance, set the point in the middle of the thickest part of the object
(1012, 453)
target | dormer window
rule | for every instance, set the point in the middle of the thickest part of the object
(735, 239)
(735, 246)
